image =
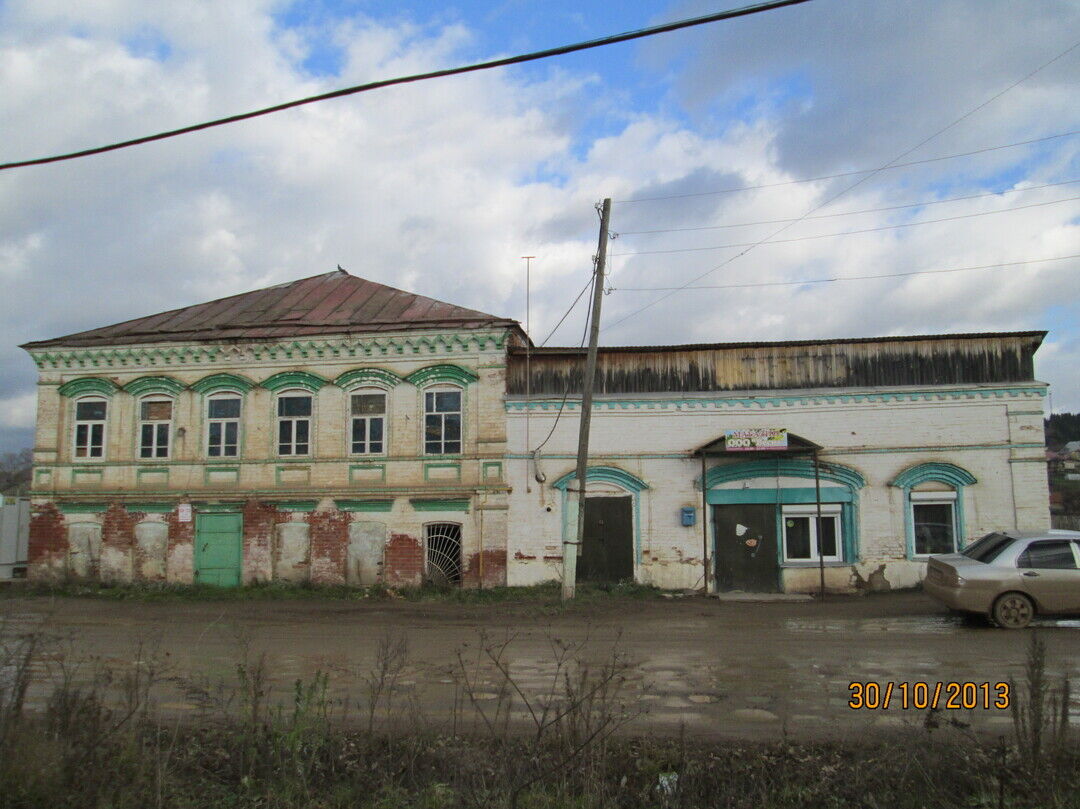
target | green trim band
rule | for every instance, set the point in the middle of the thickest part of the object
(145, 385)
(779, 467)
(151, 508)
(364, 505)
(449, 504)
(295, 505)
(223, 382)
(357, 377)
(604, 474)
(294, 379)
(443, 373)
(81, 508)
(87, 385)
(761, 402)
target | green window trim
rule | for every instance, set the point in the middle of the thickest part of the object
(364, 505)
(146, 385)
(780, 467)
(934, 472)
(442, 373)
(294, 379)
(88, 385)
(442, 504)
(151, 508)
(295, 505)
(359, 377)
(216, 383)
(81, 508)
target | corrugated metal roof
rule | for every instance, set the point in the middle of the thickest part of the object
(331, 303)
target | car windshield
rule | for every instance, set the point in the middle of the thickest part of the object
(988, 548)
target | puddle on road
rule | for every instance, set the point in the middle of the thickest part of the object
(905, 624)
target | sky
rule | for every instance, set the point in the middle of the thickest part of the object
(441, 187)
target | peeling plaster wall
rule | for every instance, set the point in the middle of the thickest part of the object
(879, 437)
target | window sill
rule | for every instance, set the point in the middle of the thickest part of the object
(815, 564)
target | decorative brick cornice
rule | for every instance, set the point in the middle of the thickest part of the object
(330, 348)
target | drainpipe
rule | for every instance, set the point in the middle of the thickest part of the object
(704, 525)
(817, 492)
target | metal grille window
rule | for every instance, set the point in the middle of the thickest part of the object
(155, 423)
(443, 542)
(294, 424)
(368, 422)
(223, 427)
(90, 428)
(442, 422)
(801, 540)
(933, 520)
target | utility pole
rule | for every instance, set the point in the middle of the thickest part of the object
(570, 548)
(528, 366)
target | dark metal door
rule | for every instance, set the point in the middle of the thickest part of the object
(746, 557)
(607, 549)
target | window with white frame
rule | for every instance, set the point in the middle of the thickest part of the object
(368, 431)
(155, 426)
(933, 522)
(294, 424)
(801, 540)
(90, 428)
(223, 425)
(442, 422)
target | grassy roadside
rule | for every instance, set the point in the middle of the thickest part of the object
(547, 594)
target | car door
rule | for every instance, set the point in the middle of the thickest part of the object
(1050, 574)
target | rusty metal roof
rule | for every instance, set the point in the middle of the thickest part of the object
(331, 303)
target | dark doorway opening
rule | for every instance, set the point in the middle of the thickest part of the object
(607, 547)
(746, 552)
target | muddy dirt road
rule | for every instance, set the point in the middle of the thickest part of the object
(713, 668)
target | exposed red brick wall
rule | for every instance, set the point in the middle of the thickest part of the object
(48, 543)
(493, 569)
(118, 534)
(180, 553)
(403, 564)
(329, 535)
(259, 521)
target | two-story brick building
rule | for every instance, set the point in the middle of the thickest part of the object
(337, 430)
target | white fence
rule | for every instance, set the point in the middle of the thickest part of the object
(14, 533)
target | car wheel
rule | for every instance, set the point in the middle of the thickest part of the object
(1013, 611)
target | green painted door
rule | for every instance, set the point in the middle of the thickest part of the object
(218, 544)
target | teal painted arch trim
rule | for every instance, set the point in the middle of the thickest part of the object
(781, 467)
(294, 379)
(444, 372)
(378, 377)
(88, 385)
(941, 472)
(604, 474)
(146, 385)
(219, 382)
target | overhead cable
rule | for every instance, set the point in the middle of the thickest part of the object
(434, 74)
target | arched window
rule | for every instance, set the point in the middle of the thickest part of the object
(443, 411)
(295, 409)
(933, 507)
(367, 421)
(223, 410)
(155, 426)
(88, 438)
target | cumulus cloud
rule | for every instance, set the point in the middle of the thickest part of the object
(441, 187)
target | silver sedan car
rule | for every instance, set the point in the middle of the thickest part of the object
(1010, 576)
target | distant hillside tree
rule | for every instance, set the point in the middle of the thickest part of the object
(1062, 428)
(15, 472)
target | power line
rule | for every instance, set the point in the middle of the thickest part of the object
(568, 311)
(845, 232)
(854, 185)
(893, 165)
(435, 74)
(852, 213)
(846, 277)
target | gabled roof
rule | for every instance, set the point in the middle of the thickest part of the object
(332, 303)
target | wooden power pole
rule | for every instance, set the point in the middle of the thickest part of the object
(570, 547)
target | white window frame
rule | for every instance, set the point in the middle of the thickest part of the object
(350, 418)
(943, 498)
(75, 430)
(278, 419)
(444, 388)
(832, 511)
(217, 396)
(141, 422)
